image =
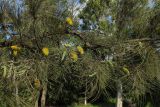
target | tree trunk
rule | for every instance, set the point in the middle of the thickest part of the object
(37, 98)
(17, 95)
(119, 95)
(85, 98)
(16, 89)
(36, 103)
(43, 98)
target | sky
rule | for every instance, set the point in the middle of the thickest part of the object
(151, 3)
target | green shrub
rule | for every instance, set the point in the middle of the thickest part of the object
(149, 105)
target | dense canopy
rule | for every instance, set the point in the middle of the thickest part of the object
(73, 52)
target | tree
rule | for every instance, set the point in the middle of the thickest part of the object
(125, 36)
(50, 57)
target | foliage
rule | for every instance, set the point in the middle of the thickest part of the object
(51, 59)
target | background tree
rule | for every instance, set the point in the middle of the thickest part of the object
(122, 22)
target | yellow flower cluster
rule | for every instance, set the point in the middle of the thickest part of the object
(37, 83)
(69, 21)
(126, 71)
(15, 49)
(74, 56)
(110, 64)
(68, 35)
(80, 50)
(67, 45)
(45, 51)
(15, 53)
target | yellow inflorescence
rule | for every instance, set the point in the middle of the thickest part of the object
(15, 47)
(67, 45)
(68, 35)
(110, 63)
(80, 50)
(69, 21)
(15, 52)
(74, 56)
(125, 70)
(37, 83)
(45, 51)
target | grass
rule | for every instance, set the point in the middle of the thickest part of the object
(82, 105)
